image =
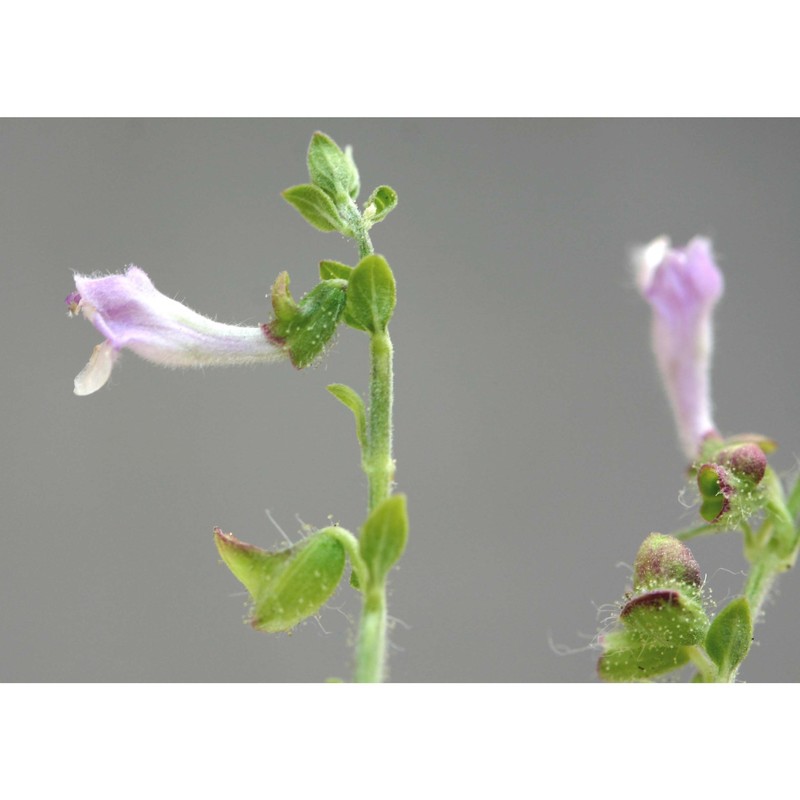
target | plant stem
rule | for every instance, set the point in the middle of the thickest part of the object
(773, 549)
(356, 222)
(378, 466)
(379, 469)
(378, 462)
(371, 649)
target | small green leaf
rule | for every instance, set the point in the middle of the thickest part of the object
(288, 585)
(308, 332)
(331, 169)
(380, 203)
(354, 186)
(383, 538)
(730, 635)
(333, 269)
(316, 206)
(627, 658)
(371, 295)
(350, 398)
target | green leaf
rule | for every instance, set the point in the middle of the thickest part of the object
(354, 186)
(383, 537)
(316, 206)
(350, 398)
(331, 169)
(307, 332)
(380, 203)
(371, 295)
(333, 269)
(288, 585)
(627, 658)
(730, 635)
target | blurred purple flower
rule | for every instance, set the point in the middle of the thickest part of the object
(130, 312)
(683, 285)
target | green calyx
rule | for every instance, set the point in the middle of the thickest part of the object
(729, 473)
(730, 491)
(666, 618)
(286, 586)
(629, 658)
(662, 619)
(306, 328)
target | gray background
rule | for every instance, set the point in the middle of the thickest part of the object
(532, 434)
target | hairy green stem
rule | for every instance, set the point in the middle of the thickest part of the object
(371, 648)
(378, 466)
(378, 461)
(356, 222)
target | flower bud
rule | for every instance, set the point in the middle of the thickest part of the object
(746, 461)
(663, 560)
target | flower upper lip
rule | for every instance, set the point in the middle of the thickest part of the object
(130, 312)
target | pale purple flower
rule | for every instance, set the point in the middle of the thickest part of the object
(683, 285)
(130, 312)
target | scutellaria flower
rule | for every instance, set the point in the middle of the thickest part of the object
(131, 313)
(683, 285)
